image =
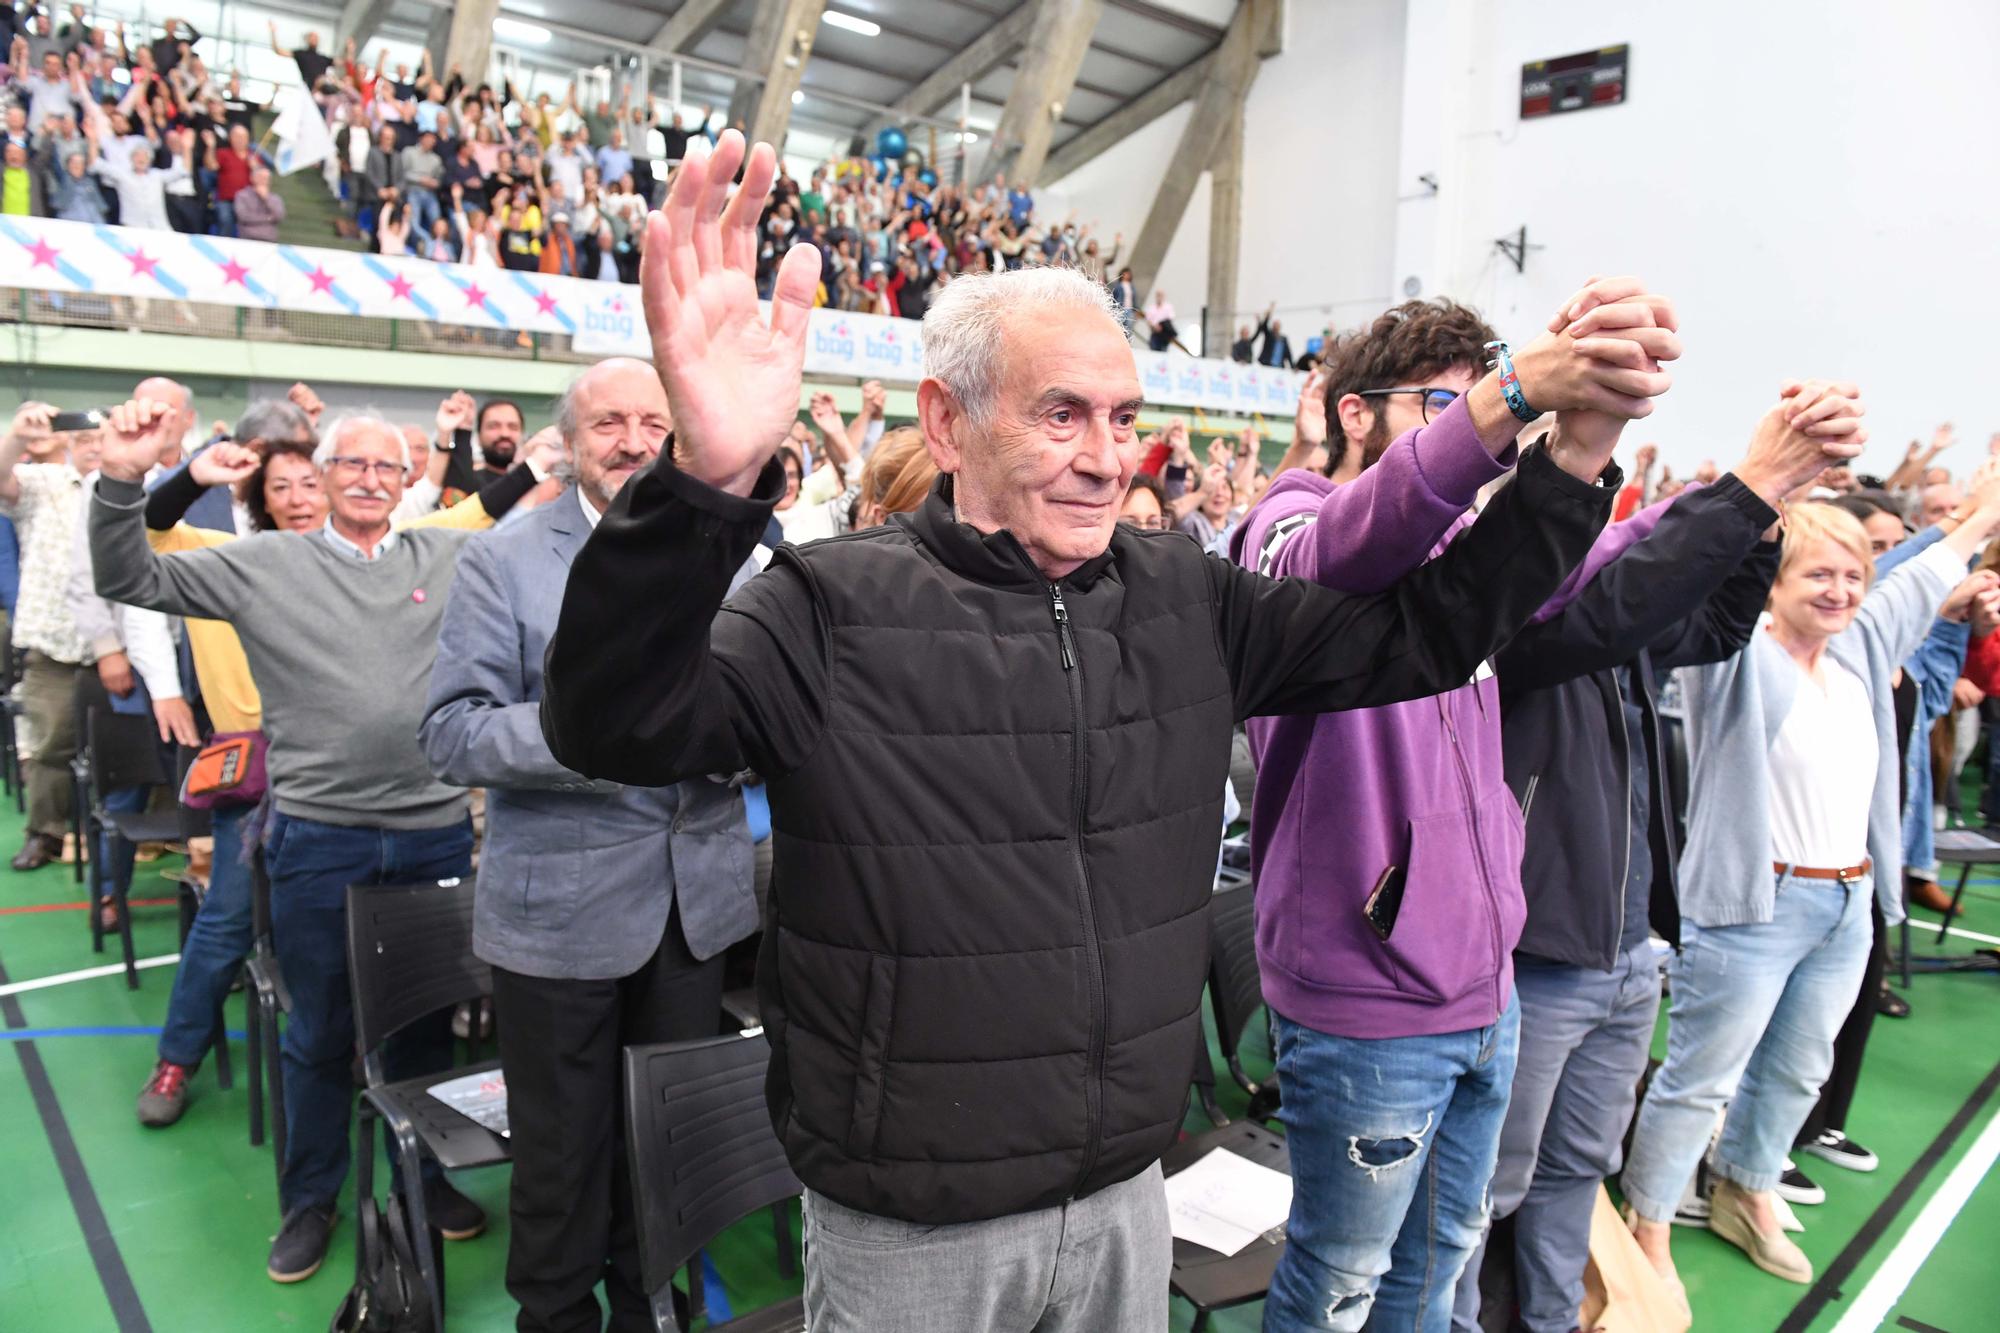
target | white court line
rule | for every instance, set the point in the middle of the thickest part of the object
(1969, 935)
(1884, 1289)
(108, 970)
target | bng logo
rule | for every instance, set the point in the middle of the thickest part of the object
(886, 348)
(835, 339)
(610, 316)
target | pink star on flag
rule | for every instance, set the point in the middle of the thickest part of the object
(399, 286)
(44, 253)
(474, 296)
(321, 280)
(545, 303)
(142, 263)
(236, 273)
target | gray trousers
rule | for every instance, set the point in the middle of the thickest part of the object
(1097, 1265)
(1585, 1036)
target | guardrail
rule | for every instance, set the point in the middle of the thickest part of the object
(169, 282)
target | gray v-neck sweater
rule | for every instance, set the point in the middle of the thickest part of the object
(341, 649)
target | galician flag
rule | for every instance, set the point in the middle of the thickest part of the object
(300, 129)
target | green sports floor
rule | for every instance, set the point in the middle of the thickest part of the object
(105, 1225)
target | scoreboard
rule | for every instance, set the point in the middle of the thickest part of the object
(1574, 83)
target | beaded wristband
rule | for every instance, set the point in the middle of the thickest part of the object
(1510, 383)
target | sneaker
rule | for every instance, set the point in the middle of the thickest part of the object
(1889, 1004)
(300, 1246)
(453, 1215)
(1795, 1186)
(1836, 1147)
(165, 1095)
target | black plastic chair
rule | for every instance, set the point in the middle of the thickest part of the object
(268, 998)
(121, 750)
(409, 956)
(1236, 993)
(1208, 1279)
(703, 1156)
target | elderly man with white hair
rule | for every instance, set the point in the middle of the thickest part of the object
(995, 734)
(340, 627)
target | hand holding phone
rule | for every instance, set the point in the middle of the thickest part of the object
(88, 419)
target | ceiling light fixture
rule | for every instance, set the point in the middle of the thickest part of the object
(866, 27)
(798, 97)
(533, 34)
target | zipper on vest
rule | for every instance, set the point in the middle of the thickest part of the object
(1079, 783)
(1062, 625)
(1625, 744)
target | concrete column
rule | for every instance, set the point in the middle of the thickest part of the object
(470, 46)
(1225, 229)
(780, 42)
(1057, 42)
(1225, 82)
(359, 20)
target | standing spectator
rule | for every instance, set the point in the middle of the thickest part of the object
(342, 652)
(49, 90)
(231, 164)
(614, 160)
(21, 190)
(259, 212)
(419, 174)
(1277, 348)
(75, 196)
(1160, 318)
(662, 876)
(312, 62)
(45, 499)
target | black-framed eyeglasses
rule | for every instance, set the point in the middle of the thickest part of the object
(1435, 400)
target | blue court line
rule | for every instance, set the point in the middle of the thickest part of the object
(36, 1034)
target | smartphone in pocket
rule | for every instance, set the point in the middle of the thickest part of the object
(1385, 902)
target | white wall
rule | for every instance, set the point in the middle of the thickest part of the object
(1813, 181)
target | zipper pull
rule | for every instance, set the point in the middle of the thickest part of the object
(1062, 624)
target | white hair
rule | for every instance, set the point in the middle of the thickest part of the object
(352, 423)
(962, 329)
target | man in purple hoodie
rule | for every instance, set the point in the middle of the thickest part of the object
(1385, 842)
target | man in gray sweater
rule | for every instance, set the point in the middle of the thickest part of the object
(340, 628)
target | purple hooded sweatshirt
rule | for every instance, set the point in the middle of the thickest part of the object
(1343, 797)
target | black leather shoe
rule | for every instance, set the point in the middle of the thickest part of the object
(300, 1247)
(1891, 1005)
(39, 850)
(454, 1216)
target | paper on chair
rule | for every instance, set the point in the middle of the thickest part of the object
(1225, 1201)
(480, 1098)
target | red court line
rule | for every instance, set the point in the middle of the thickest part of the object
(78, 907)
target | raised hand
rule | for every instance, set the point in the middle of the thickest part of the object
(1309, 421)
(303, 398)
(731, 381)
(224, 464)
(134, 435)
(454, 414)
(1815, 424)
(31, 422)
(545, 449)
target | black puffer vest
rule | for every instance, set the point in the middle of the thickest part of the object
(1003, 1017)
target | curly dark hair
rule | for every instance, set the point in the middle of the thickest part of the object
(1405, 345)
(250, 490)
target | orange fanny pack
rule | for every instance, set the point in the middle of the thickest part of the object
(228, 771)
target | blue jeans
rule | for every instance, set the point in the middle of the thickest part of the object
(215, 947)
(424, 210)
(1392, 1144)
(225, 217)
(1585, 1035)
(117, 855)
(311, 864)
(1755, 1010)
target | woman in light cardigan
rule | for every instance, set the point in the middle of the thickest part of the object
(1793, 823)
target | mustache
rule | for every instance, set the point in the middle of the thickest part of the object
(365, 493)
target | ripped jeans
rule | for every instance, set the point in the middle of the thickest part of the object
(1393, 1143)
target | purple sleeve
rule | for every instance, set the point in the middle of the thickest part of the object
(1611, 543)
(1369, 533)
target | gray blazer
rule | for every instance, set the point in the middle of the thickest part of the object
(576, 876)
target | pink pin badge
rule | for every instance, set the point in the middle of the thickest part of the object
(418, 596)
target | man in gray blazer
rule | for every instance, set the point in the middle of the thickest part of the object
(603, 909)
